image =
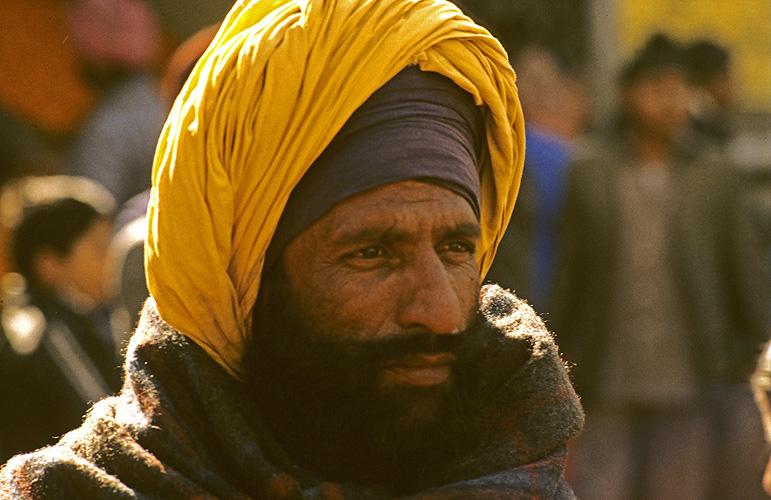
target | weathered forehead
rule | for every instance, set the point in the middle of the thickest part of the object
(398, 208)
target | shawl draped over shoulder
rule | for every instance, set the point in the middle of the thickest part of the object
(277, 83)
(183, 428)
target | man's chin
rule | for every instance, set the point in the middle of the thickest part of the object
(406, 415)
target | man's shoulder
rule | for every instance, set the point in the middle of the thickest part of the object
(514, 322)
(512, 315)
(68, 469)
(57, 472)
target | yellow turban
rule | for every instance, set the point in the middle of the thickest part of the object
(279, 80)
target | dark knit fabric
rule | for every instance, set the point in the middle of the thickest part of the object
(182, 428)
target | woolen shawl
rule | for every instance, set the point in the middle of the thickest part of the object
(183, 428)
(278, 82)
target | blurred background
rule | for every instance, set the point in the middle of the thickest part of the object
(45, 99)
(85, 86)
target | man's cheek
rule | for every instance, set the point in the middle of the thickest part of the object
(468, 288)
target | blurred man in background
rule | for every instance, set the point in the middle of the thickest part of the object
(661, 299)
(119, 48)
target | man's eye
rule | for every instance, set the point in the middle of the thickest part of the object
(370, 253)
(460, 247)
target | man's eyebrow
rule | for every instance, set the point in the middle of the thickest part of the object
(464, 230)
(369, 235)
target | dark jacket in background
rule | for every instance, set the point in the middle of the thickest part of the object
(716, 258)
(44, 393)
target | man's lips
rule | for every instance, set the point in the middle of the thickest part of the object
(419, 369)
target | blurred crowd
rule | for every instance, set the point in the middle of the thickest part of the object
(72, 225)
(644, 242)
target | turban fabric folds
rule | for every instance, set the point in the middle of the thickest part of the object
(279, 81)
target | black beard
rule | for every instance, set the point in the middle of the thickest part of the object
(320, 395)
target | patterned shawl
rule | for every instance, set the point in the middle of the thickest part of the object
(182, 428)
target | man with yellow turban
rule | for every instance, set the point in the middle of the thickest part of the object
(328, 193)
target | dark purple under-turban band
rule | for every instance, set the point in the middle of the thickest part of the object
(419, 125)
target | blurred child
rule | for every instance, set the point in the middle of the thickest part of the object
(56, 350)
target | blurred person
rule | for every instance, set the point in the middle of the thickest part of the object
(119, 46)
(555, 106)
(711, 79)
(715, 122)
(56, 352)
(322, 214)
(661, 301)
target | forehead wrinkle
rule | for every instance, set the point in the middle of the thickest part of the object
(400, 218)
(394, 233)
(343, 235)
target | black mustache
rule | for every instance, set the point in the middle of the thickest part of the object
(376, 352)
(355, 363)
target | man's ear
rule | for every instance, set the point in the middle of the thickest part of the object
(48, 267)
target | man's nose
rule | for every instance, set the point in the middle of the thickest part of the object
(430, 301)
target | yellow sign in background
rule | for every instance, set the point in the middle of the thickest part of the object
(741, 26)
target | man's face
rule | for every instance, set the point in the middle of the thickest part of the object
(395, 260)
(369, 319)
(659, 102)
